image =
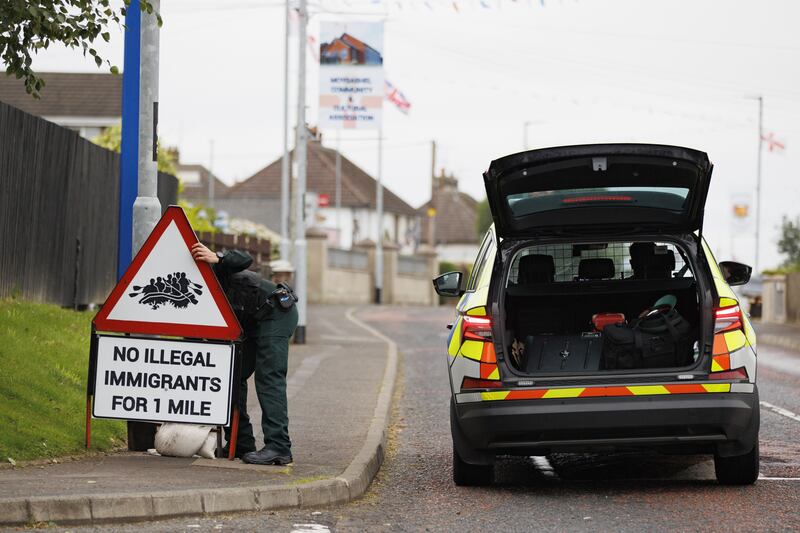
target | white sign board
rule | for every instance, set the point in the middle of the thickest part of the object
(163, 380)
(177, 289)
(165, 291)
(351, 79)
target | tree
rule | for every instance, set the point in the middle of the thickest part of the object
(483, 219)
(111, 138)
(789, 243)
(27, 26)
(200, 217)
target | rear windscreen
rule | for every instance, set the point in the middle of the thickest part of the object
(527, 203)
(597, 261)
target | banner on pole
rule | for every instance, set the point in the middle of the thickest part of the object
(351, 75)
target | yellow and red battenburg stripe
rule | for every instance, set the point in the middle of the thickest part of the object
(604, 391)
(727, 342)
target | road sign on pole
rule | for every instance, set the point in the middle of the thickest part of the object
(166, 292)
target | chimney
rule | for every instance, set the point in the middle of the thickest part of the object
(444, 182)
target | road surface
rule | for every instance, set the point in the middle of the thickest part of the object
(621, 492)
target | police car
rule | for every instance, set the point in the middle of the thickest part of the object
(596, 317)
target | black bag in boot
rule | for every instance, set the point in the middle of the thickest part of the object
(660, 338)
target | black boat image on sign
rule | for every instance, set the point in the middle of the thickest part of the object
(174, 289)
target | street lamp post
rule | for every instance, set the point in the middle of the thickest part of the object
(285, 241)
(758, 178)
(300, 155)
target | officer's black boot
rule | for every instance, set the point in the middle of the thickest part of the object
(265, 456)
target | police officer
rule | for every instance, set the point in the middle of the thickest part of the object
(268, 317)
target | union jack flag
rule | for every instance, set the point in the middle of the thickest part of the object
(396, 97)
(773, 144)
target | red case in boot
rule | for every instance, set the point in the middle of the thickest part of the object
(601, 320)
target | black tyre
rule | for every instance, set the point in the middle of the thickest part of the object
(739, 469)
(467, 475)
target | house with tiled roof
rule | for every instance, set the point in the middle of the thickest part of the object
(448, 221)
(349, 50)
(195, 180)
(84, 102)
(258, 199)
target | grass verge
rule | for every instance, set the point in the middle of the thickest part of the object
(44, 353)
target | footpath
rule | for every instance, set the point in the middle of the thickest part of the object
(340, 387)
(783, 335)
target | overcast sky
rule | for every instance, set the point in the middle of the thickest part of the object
(668, 71)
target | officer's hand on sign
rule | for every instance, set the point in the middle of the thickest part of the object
(201, 253)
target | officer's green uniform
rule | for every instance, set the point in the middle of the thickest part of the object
(266, 353)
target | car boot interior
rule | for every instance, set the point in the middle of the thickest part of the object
(555, 291)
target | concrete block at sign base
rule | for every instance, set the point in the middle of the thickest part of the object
(325, 492)
(229, 499)
(48, 509)
(121, 506)
(278, 497)
(177, 503)
(14, 511)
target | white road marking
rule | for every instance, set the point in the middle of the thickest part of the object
(544, 466)
(308, 528)
(304, 371)
(780, 360)
(294, 384)
(762, 477)
(345, 338)
(781, 411)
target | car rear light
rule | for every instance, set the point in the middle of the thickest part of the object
(727, 318)
(477, 328)
(475, 383)
(730, 375)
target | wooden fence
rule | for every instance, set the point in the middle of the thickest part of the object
(259, 249)
(59, 209)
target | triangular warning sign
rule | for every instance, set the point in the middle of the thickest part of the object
(165, 291)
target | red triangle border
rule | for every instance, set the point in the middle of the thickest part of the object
(231, 331)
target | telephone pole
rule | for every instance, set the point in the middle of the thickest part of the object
(379, 214)
(211, 174)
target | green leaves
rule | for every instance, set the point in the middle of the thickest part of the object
(27, 27)
(483, 218)
(789, 243)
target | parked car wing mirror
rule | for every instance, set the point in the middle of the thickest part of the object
(735, 273)
(449, 284)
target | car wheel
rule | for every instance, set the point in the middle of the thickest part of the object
(739, 469)
(467, 475)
